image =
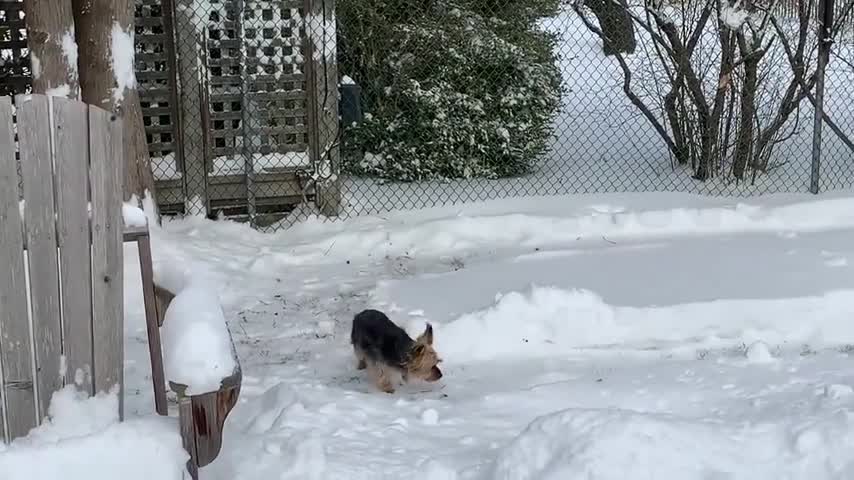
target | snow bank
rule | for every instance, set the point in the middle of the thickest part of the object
(539, 223)
(605, 444)
(545, 321)
(197, 347)
(83, 440)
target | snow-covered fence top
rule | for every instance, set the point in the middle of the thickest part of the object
(61, 275)
(197, 347)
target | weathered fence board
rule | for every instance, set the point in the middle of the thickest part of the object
(40, 226)
(105, 146)
(61, 285)
(16, 381)
(72, 164)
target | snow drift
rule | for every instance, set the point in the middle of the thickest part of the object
(547, 321)
(606, 444)
(528, 222)
(83, 440)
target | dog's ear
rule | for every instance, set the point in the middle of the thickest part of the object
(417, 350)
(427, 337)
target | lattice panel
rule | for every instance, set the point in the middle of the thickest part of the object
(155, 67)
(14, 56)
(256, 86)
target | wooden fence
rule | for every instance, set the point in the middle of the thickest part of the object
(61, 303)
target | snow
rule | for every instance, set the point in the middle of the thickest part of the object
(83, 440)
(430, 417)
(122, 58)
(557, 321)
(69, 52)
(63, 90)
(196, 342)
(671, 335)
(733, 16)
(36, 64)
(165, 167)
(758, 352)
(133, 215)
(606, 443)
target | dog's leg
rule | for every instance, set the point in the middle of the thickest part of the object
(360, 359)
(384, 382)
(380, 376)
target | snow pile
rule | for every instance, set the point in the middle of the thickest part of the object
(734, 16)
(197, 346)
(83, 440)
(758, 352)
(63, 90)
(605, 444)
(546, 321)
(133, 215)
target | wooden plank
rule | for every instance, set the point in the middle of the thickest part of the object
(106, 165)
(152, 323)
(16, 376)
(39, 216)
(283, 148)
(188, 434)
(259, 96)
(72, 186)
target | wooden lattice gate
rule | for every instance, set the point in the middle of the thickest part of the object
(239, 106)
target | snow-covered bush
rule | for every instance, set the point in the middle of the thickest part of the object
(450, 90)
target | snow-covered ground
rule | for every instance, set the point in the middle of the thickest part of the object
(662, 336)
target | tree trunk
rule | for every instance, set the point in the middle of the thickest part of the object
(746, 133)
(671, 110)
(706, 168)
(108, 80)
(616, 24)
(53, 50)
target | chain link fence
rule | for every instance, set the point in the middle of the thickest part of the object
(272, 111)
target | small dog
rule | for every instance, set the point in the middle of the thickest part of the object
(386, 350)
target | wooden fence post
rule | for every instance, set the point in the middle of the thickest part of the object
(322, 86)
(189, 42)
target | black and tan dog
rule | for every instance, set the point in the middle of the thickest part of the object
(388, 352)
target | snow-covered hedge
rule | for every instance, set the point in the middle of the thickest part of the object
(450, 90)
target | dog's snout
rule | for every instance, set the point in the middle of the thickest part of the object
(435, 374)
